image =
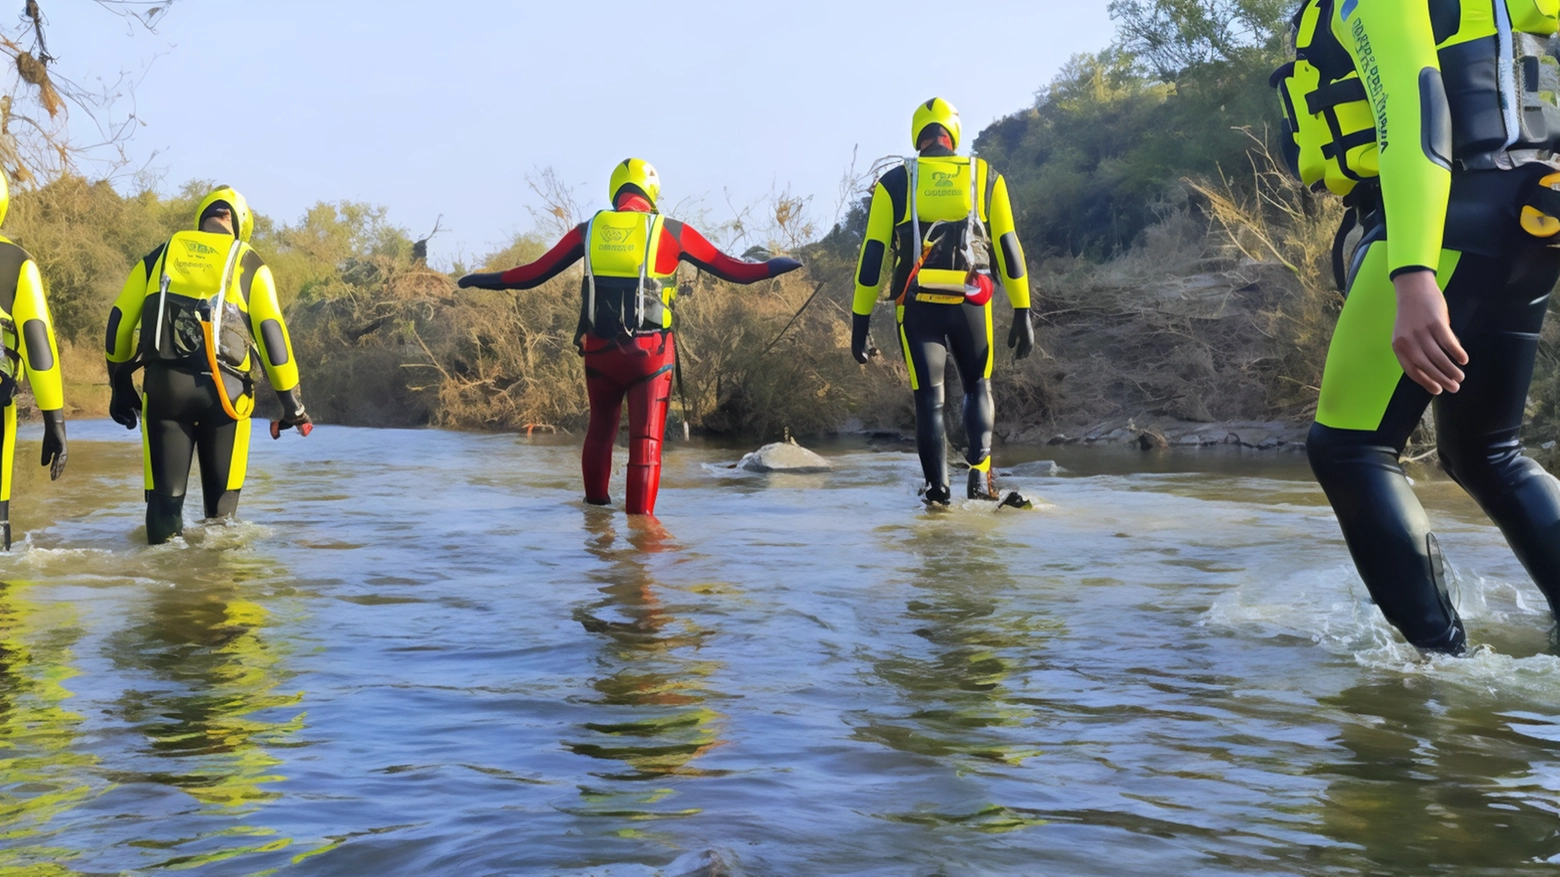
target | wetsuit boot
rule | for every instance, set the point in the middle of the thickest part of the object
(164, 518)
(5, 525)
(931, 444)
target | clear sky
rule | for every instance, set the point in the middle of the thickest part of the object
(445, 107)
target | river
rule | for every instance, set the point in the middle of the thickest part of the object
(419, 653)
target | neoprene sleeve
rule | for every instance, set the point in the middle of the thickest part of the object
(269, 331)
(125, 316)
(1004, 239)
(874, 248)
(35, 332)
(1393, 46)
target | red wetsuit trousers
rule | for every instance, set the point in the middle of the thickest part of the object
(639, 368)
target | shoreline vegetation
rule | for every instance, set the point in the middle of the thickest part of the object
(1182, 284)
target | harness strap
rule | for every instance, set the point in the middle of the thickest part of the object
(1344, 91)
(1545, 200)
(1340, 146)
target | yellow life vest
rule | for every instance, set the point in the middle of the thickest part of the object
(623, 290)
(199, 282)
(947, 240)
(1498, 67)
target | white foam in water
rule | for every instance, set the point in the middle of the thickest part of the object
(1355, 627)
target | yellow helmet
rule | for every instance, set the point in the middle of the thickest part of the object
(638, 173)
(935, 112)
(243, 219)
(5, 194)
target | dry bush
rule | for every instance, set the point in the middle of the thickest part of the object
(757, 362)
(1219, 314)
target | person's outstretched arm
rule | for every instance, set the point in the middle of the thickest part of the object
(684, 243)
(533, 274)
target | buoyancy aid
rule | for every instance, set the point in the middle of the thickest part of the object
(943, 234)
(623, 291)
(1494, 104)
(199, 316)
(1499, 81)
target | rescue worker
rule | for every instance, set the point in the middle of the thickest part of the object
(1449, 285)
(945, 226)
(31, 351)
(205, 307)
(631, 253)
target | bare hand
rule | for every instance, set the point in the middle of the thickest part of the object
(1422, 336)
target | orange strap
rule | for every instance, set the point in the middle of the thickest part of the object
(216, 371)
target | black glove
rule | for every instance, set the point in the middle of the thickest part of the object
(54, 443)
(293, 414)
(300, 421)
(1022, 335)
(491, 280)
(124, 401)
(781, 265)
(860, 342)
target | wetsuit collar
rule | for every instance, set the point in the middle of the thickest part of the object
(636, 203)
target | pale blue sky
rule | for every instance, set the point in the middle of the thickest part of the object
(443, 108)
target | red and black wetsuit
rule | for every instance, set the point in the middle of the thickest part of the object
(637, 366)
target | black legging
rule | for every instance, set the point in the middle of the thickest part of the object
(929, 332)
(1497, 307)
(183, 416)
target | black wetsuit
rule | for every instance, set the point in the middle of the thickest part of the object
(1497, 306)
(931, 332)
(183, 419)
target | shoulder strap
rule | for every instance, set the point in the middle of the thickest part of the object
(227, 280)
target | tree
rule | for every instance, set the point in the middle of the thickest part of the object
(1172, 36)
(36, 141)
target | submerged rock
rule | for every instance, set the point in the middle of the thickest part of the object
(784, 457)
(705, 864)
(1037, 469)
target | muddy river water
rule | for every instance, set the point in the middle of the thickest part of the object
(420, 653)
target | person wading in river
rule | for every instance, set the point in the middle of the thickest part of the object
(946, 223)
(199, 302)
(631, 253)
(27, 349)
(1437, 121)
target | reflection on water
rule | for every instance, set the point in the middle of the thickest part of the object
(1432, 783)
(211, 702)
(45, 774)
(654, 719)
(955, 699)
(442, 663)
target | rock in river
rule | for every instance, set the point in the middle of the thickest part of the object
(784, 457)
